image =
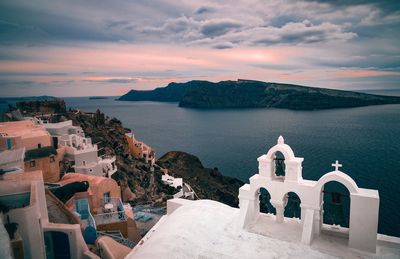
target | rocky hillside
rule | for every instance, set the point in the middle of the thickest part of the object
(138, 183)
(208, 183)
(257, 94)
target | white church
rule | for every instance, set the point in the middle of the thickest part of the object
(209, 229)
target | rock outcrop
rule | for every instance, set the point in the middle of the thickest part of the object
(208, 183)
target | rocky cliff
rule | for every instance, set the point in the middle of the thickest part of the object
(257, 94)
(208, 183)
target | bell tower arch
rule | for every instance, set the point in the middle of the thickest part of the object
(268, 163)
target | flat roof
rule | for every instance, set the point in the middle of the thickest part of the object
(23, 129)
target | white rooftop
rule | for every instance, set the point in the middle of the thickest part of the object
(206, 229)
(58, 125)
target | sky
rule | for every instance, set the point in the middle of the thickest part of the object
(102, 47)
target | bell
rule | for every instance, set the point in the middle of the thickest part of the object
(335, 213)
(336, 198)
(279, 170)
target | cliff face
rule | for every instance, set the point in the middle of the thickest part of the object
(256, 94)
(206, 182)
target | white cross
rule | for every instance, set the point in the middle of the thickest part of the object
(337, 165)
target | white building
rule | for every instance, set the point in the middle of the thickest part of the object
(172, 181)
(80, 150)
(185, 191)
(36, 237)
(209, 229)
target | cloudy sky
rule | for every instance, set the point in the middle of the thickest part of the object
(101, 47)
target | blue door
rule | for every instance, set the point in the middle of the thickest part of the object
(82, 207)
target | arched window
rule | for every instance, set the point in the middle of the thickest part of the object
(265, 202)
(336, 204)
(279, 165)
(292, 205)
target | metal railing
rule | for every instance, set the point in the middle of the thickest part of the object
(112, 211)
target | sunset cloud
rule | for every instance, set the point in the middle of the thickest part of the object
(115, 46)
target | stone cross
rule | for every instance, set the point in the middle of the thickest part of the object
(337, 165)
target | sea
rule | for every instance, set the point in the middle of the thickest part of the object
(365, 140)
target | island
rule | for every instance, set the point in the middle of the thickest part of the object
(256, 94)
(97, 97)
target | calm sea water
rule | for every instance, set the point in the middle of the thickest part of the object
(365, 140)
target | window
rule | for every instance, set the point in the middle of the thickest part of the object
(9, 143)
(106, 197)
(84, 162)
(52, 159)
(32, 163)
(39, 145)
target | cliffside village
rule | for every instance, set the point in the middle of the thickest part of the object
(58, 197)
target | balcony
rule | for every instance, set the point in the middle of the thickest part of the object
(76, 144)
(108, 165)
(112, 211)
(89, 168)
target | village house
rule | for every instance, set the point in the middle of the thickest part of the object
(101, 207)
(33, 235)
(81, 153)
(184, 189)
(170, 180)
(40, 153)
(140, 149)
